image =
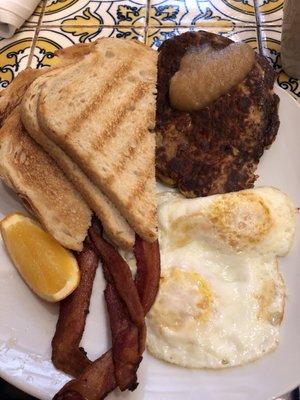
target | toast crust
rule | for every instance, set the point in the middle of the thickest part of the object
(13, 94)
(115, 226)
(41, 185)
(109, 138)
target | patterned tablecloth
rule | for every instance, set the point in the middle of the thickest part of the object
(59, 23)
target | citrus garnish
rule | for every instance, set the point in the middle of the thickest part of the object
(49, 269)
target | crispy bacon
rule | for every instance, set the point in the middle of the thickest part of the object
(66, 353)
(121, 277)
(126, 314)
(96, 381)
(125, 341)
(99, 378)
(148, 271)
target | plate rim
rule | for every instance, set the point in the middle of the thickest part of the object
(35, 391)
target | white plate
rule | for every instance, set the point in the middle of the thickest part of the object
(27, 323)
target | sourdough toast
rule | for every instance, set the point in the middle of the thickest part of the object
(103, 123)
(114, 225)
(41, 185)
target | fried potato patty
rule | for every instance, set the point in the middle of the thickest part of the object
(215, 149)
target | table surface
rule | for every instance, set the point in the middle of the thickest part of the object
(58, 24)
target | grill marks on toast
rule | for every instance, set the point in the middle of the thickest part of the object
(141, 186)
(115, 226)
(128, 155)
(102, 140)
(120, 113)
(100, 96)
(135, 144)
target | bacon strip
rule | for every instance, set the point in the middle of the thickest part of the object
(125, 341)
(126, 314)
(98, 379)
(148, 271)
(66, 354)
(121, 277)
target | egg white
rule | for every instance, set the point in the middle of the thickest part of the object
(221, 296)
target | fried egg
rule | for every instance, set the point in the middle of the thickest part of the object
(221, 296)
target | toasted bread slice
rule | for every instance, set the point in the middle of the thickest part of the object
(13, 94)
(114, 225)
(73, 53)
(43, 188)
(103, 123)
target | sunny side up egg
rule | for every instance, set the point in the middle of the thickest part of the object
(221, 296)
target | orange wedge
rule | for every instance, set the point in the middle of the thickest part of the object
(49, 269)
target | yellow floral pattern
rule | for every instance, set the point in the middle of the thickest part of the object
(107, 12)
(184, 13)
(64, 22)
(58, 5)
(44, 53)
(87, 18)
(13, 58)
(85, 26)
(156, 36)
(272, 51)
(51, 40)
(270, 6)
(242, 6)
(130, 15)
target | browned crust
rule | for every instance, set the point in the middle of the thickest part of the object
(12, 96)
(38, 181)
(215, 149)
(115, 226)
(75, 52)
(142, 224)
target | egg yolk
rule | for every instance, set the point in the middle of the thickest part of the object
(191, 305)
(241, 219)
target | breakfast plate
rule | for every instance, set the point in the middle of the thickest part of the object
(28, 323)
